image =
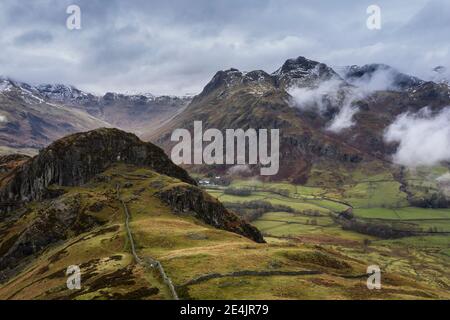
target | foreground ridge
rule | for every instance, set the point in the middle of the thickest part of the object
(153, 262)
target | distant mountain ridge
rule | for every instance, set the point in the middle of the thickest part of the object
(31, 117)
(302, 98)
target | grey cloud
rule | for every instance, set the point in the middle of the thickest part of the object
(176, 46)
(33, 37)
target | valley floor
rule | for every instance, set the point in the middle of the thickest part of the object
(305, 257)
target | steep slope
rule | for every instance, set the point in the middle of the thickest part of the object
(131, 112)
(85, 226)
(234, 99)
(75, 159)
(140, 113)
(323, 119)
(70, 188)
(29, 122)
(31, 117)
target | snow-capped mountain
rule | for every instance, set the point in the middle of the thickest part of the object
(33, 116)
(64, 93)
(322, 117)
(379, 76)
(302, 72)
(29, 121)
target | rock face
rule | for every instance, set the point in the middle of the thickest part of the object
(258, 100)
(305, 99)
(75, 159)
(188, 198)
(9, 162)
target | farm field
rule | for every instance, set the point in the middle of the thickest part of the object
(420, 257)
(365, 199)
(307, 254)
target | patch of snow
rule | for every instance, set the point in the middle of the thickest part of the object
(5, 85)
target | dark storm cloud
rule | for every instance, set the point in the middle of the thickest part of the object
(175, 46)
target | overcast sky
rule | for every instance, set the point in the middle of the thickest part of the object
(176, 46)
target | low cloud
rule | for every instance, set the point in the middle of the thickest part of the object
(318, 98)
(333, 93)
(445, 178)
(240, 169)
(378, 80)
(336, 93)
(444, 183)
(423, 137)
(343, 119)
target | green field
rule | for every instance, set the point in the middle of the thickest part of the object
(374, 198)
(306, 239)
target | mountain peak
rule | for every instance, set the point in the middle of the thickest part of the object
(230, 78)
(304, 72)
(223, 78)
(62, 93)
(300, 62)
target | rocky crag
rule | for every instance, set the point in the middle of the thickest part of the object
(75, 159)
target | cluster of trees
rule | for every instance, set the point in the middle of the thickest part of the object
(381, 230)
(252, 210)
(434, 201)
(242, 192)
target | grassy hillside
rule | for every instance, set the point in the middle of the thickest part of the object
(373, 199)
(205, 262)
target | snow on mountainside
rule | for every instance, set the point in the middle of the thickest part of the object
(322, 116)
(302, 72)
(30, 122)
(31, 117)
(380, 77)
